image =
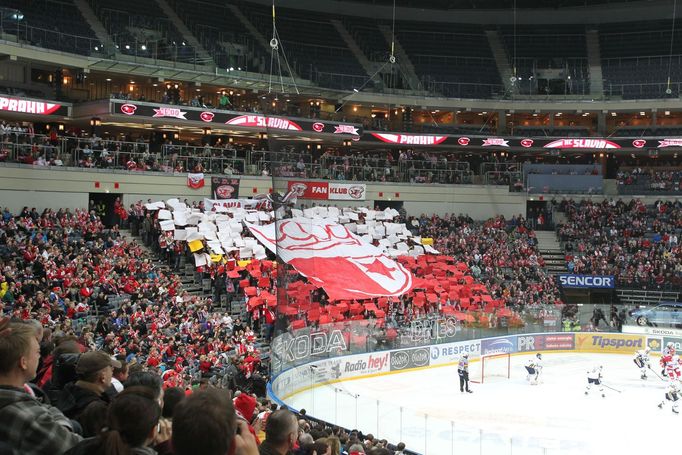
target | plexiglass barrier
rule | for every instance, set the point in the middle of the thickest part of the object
(312, 368)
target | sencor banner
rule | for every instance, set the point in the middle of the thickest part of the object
(608, 342)
(587, 281)
(236, 119)
(553, 342)
(328, 191)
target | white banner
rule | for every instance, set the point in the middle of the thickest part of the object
(646, 330)
(230, 203)
(347, 191)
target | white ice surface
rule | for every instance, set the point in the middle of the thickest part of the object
(507, 416)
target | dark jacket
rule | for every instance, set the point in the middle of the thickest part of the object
(266, 448)
(94, 446)
(74, 399)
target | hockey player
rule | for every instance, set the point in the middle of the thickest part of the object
(534, 367)
(671, 365)
(642, 361)
(669, 349)
(594, 378)
(672, 368)
(463, 372)
(667, 355)
(672, 395)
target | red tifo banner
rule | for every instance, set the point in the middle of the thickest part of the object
(334, 258)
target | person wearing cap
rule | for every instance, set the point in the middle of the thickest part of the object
(28, 427)
(95, 370)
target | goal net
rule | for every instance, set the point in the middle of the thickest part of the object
(490, 368)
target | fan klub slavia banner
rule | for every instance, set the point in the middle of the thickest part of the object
(328, 190)
(334, 258)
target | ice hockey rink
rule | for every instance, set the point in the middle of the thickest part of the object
(507, 416)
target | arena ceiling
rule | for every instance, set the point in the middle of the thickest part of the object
(492, 4)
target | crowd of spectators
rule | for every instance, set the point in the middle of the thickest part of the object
(218, 155)
(147, 374)
(111, 321)
(654, 180)
(63, 267)
(502, 254)
(636, 243)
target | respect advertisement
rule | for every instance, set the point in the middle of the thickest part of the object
(451, 352)
(553, 342)
(409, 358)
(500, 345)
(609, 342)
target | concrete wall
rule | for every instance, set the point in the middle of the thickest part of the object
(43, 187)
(48, 187)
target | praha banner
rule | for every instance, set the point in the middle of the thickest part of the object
(135, 109)
(587, 281)
(30, 106)
(520, 143)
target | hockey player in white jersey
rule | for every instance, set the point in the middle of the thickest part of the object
(641, 359)
(534, 368)
(594, 377)
(672, 395)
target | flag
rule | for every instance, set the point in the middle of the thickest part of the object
(195, 181)
(195, 245)
(334, 258)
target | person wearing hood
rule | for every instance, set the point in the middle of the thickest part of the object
(244, 405)
(95, 370)
(29, 426)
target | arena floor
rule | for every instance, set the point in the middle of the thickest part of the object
(507, 416)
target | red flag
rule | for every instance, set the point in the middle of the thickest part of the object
(334, 258)
(195, 181)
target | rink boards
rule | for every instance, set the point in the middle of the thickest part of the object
(313, 373)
